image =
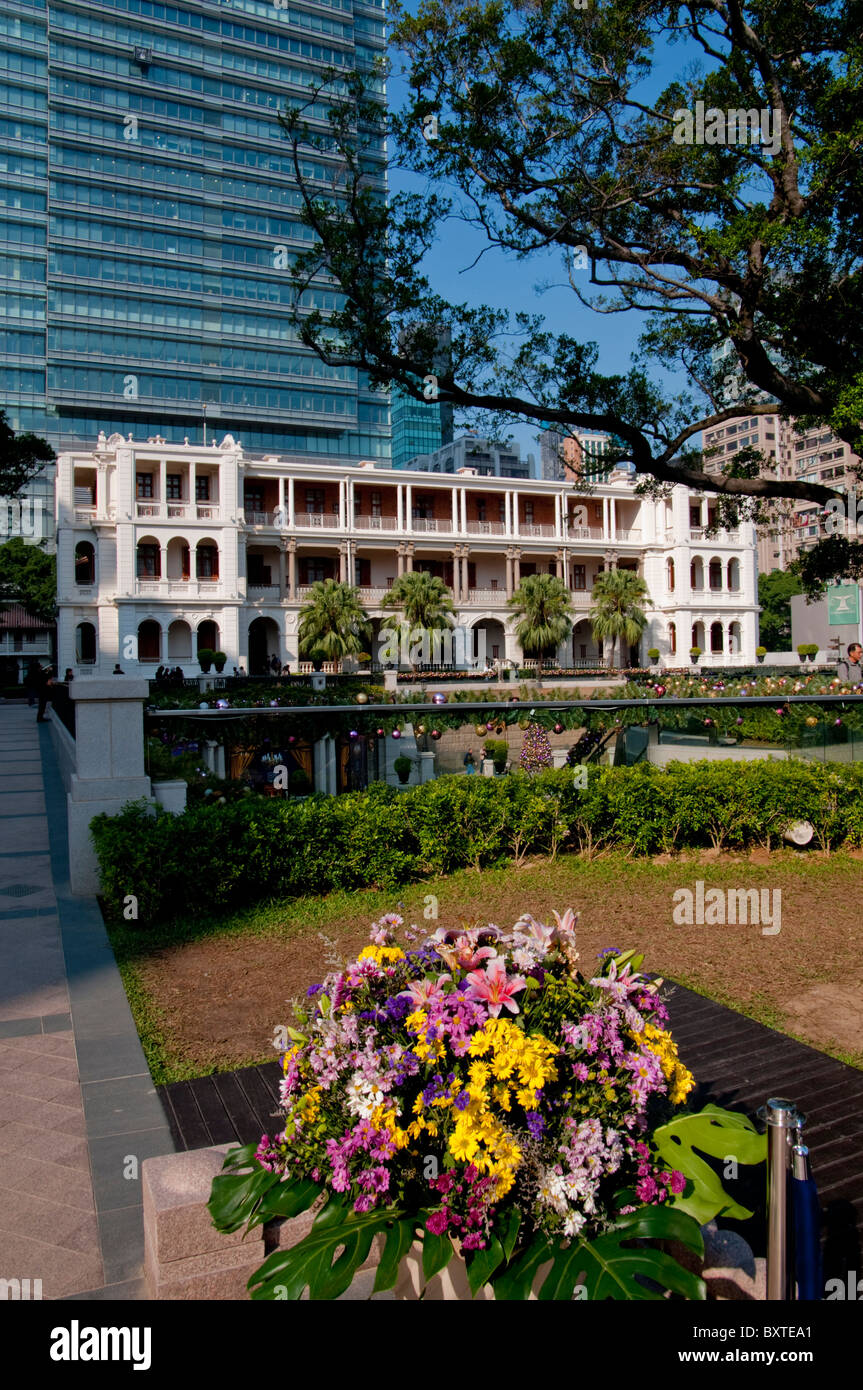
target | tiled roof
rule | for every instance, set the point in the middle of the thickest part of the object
(15, 615)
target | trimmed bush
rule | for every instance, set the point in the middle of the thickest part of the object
(253, 849)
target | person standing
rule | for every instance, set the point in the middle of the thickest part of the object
(46, 680)
(469, 764)
(849, 668)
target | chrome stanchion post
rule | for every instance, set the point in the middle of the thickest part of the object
(783, 1132)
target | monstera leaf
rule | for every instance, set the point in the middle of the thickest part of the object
(607, 1268)
(327, 1259)
(720, 1133)
(246, 1194)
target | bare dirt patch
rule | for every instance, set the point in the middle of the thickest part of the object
(221, 997)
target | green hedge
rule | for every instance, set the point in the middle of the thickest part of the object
(251, 850)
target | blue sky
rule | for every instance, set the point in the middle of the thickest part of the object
(502, 281)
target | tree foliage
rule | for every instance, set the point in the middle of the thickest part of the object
(542, 606)
(22, 456)
(333, 621)
(617, 614)
(28, 575)
(423, 601)
(549, 126)
(775, 591)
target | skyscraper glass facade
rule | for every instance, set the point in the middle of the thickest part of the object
(148, 215)
(419, 427)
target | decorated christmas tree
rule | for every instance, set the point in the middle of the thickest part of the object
(535, 749)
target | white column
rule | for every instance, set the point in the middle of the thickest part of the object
(400, 508)
(409, 508)
(463, 499)
(606, 528)
(507, 515)
(558, 509)
(513, 506)
(455, 509)
(613, 517)
(282, 502)
(290, 503)
(350, 505)
(193, 501)
(343, 487)
(163, 487)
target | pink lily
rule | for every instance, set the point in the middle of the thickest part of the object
(422, 992)
(495, 987)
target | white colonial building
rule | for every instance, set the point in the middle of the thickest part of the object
(165, 549)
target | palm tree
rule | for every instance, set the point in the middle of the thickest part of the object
(617, 614)
(542, 606)
(424, 601)
(333, 622)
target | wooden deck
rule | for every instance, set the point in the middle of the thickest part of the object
(736, 1062)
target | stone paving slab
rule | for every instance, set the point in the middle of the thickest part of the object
(78, 1110)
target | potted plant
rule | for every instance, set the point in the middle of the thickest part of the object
(219, 659)
(498, 1145)
(653, 654)
(205, 658)
(760, 653)
(694, 654)
(402, 766)
(812, 650)
(497, 750)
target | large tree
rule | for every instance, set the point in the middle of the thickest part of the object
(552, 126)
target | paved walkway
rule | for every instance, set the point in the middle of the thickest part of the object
(78, 1111)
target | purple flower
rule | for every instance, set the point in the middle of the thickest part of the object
(462, 1100)
(535, 1124)
(437, 1223)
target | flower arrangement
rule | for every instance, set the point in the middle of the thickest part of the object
(477, 1091)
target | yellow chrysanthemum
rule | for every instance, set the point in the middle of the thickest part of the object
(382, 955)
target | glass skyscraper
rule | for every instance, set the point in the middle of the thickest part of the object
(148, 217)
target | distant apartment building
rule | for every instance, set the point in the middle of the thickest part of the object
(481, 456)
(165, 549)
(578, 457)
(816, 457)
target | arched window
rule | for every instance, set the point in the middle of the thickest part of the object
(672, 637)
(669, 571)
(734, 575)
(734, 639)
(208, 635)
(696, 573)
(715, 574)
(206, 560)
(85, 563)
(149, 559)
(698, 635)
(717, 641)
(85, 644)
(149, 641)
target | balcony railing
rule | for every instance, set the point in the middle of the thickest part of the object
(375, 523)
(531, 528)
(264, 590)
(429, 523)
(176, 588)
(327, 520)
(371, 594)
(586, 533)
(487, 596)
(176, 511)
(85, 513)
(486, 528)
(260, 518)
